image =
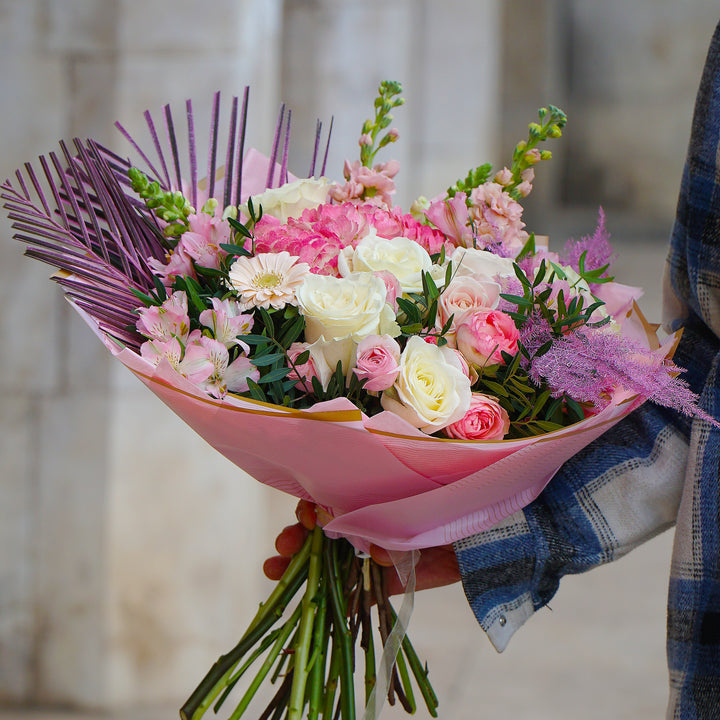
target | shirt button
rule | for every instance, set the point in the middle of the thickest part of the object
(502, 621)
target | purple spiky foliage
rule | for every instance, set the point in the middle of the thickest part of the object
(80, 215)
(599, 252)
(587, 364)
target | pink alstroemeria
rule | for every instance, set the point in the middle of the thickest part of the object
(203, 239)
(207, 364)
(166, 321)
(179, 263)
(227, 321)
(156, 350)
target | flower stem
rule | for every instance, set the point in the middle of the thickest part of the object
(321, 637)
(305, 631)
(342, 633)
(267, 664)
(268, 613)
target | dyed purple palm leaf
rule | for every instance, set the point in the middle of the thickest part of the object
(80, 215)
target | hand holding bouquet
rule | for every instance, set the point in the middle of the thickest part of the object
(418, 376)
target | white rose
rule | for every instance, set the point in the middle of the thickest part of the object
(402, 257)
(470, 261)
(337, 308)
(431, 391)
(289, 200)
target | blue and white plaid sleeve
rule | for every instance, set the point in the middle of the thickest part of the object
(652, 469)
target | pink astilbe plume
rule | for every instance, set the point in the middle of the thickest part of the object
(588, 364)
(596, 246)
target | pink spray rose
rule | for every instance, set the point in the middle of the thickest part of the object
(485, 420)
(303, 372)
(378, 358)
(463, 295)
(482, 336)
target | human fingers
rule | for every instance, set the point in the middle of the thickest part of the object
(306, 514)
(437, 566)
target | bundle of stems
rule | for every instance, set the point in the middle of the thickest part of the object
(309, 651)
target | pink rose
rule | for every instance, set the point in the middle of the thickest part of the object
(482, 337)
(392, 286)
(378, 358)
(304, 372)
(485, 420)
(463, 295)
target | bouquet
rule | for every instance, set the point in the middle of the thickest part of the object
(418, 375)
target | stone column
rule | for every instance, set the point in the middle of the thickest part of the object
(444, 53)
(130, 551)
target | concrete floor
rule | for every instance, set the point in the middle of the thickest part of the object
(598, 654)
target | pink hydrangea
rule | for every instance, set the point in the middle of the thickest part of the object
(320, 234)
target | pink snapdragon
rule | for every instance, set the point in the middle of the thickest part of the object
(450, 216)
(378, 358)
(483, 336)
(486, 419)
(367, 185)
(497, 218)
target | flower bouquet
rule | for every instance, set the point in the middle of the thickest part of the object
(419, 376)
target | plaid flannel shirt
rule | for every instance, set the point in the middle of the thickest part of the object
(654, 469)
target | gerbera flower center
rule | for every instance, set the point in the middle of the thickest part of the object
(268, 280)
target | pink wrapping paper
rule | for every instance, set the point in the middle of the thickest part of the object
(382, 480)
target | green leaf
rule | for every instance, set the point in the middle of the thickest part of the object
(517, 299)
(527, 249)
(235, 250)
(292, 331)
(412, 329)
(574, 407)
(274, 375)
(265, 360)
(497, 388)
(143, 298)
(256, 391)
(239, 227)
(160, 288)
(267, 321)
(410, 309)
(255, 339)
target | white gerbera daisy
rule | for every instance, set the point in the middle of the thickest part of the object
(267, 279)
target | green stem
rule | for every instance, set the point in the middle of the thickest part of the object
(320, 645)
(268, 614)
(331, 684)
(305, 631)
(267, 664)
(342, 633)
(420, 673)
